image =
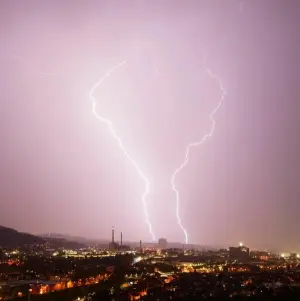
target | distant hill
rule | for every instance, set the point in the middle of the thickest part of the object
(81, 240)
(63, 243)
(10, 238)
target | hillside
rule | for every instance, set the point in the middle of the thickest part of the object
(79, 239)
(10, 238)
(63, 243)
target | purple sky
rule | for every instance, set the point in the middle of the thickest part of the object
(60, 169)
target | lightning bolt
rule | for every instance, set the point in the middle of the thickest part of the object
(120, 143)
(195, 144)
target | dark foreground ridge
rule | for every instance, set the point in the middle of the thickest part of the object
(10, 238)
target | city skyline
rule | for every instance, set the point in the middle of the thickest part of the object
(61, 171)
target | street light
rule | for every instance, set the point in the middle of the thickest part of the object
(29, 294)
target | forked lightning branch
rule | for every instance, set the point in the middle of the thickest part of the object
(121, 145)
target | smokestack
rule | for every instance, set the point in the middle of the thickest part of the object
(121, 238)
(113, 234)
(140, 246)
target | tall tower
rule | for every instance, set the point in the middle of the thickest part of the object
(162, 243)
(141, 246)
(121, 239)
(113, 234)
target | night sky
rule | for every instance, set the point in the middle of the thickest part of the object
(62, 171)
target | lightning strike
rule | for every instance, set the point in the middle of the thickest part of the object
(119, 141)
(195, 144)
